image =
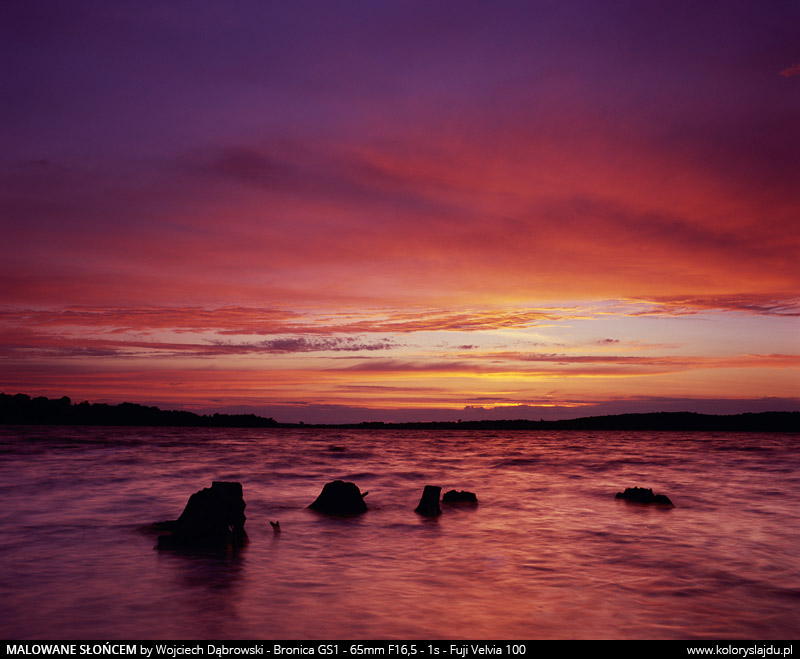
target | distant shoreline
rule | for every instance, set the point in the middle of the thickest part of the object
(653, 421)
(21, 409)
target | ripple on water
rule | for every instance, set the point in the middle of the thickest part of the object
(546, 546)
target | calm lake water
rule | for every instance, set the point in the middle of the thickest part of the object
(547, 553)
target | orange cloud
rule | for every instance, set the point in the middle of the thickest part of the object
(242, 320)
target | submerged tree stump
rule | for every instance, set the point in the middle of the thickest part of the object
(429, 503)
(340, 498)
(213, 517)
(644, 495)
(452, 496)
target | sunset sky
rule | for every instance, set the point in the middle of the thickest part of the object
(330, 210)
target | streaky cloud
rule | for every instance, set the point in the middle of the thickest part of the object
(272, 321)
(760, 304)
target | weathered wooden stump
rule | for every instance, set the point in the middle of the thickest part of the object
(213, 517)
(429, 503)
(340, 498)
(643, 495)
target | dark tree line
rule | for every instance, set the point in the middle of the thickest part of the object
(655, 421)
(22, 409)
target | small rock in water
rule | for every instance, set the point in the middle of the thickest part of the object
(643, 495)
(429, 503)
(213, 517)
(340, 498)
(463, 496)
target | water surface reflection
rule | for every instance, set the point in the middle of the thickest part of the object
(547, 553)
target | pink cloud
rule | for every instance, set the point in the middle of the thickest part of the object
(423, 222)
(765, 304)
(791, 71)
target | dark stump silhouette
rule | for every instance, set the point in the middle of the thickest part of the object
(429, 503)
(463, 496)
(340, 498)
(643, 495)
(213, 517)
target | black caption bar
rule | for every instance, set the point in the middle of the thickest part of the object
(402, 649)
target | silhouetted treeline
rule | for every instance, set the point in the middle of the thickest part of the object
(687, 421)
(22, 409)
